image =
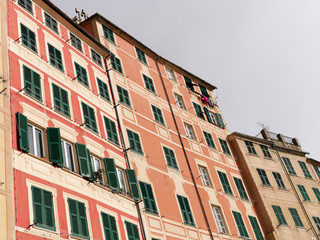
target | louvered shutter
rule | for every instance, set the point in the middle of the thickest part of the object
(133, 184)
(54, 145)
(83, 160)
(111, 173)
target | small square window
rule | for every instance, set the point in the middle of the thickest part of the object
(51, 23)
(179, 101)
(108, 34)
(141, 56)
(265, 151)
(26, 4)
(96, 57)
(189, 131)
(76, 42)
(250, 147)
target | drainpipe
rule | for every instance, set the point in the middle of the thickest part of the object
(184, 152)
(295, 192)
(124, 149)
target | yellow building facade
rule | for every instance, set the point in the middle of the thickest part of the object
(283, 184)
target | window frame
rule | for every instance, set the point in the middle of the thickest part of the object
(30, 10)
(96, 168)
(28, 38)
(136, 144)
(225, 183)
(88, 125)
(111, 231)
(179, 101)
(148, 83)
(189, 131)
(224, 146)
(198, 110)
(30, 91)
(186, 211)
(124, 183)
(265, 151)
(241, 188)
(316, 222)
(116, 64)
(64, 150)
(134, 229)
(103, 89)
(87, 216)
(55, 62)
(125, 97)
(263, 177)
(73, 43)
(209, 140)
(277, 177)
(93, 56)
(205, 176)
(148, 198)
(279, 215)
(141, 55)
(52, 21)
(171, 73)
(157, 115)
(170, 157)
(221, 223)
(110, 134)
(305, 170)
(289, 166)
(304, 193)
(34, 128)
(316, 192)
(109, 32)
(250, 147)
(241, 226)
(295, 217)
(63, 104)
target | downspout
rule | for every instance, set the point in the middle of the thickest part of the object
(124, 149)
(295, 192)
(184, 151)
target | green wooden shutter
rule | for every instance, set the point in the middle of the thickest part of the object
(133, 184)
(37, 205)
(111, 173)
(73, 216)
(256, 228)
(83, 160)
(54, 145)
(220, 120)
(83, 219)
(48, 209)
(109, 226)
(240, 224)
(91, 174)
(23, 132)
(208, 115)
(132, 231)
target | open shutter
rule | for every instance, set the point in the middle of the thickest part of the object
(83, 160)
(111, 173)
(208, 115)
(23, 132)
(133, 184)
(54, 145)
(220, 120)
(91, 174)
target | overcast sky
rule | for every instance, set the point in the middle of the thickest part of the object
(264, 56)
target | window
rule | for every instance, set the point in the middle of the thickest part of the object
(68, 157)
(96, 57)
(157, 114)
(250, 147)
(148, 198)
(203, 90)
(28, 38)
(265, 151)
(263, 176)
(103, 90)
(121, 179)
(289, 166)
(189, 83)
(84, 161)
(132, 231)
(60, 100)
(55, 57)
(316, 169)
(170, 74)
(32, 83)
(278, 179)
(209, 139)
(89, 117)
(225, 183)
(76, 42)
(304, 169)
(78, 219)
(256, 228)
(43, 212)
(116, 64)
(278, 212)
(219, 219)
(26, 4)
(205, 176)
(133, 184)
(198, 110)
(189, 131)
(109, 227)
(210, 116)
(81, 74)
(296, 217)
(185, 210)
(179, 101)
(108, 34)
(317, 222)
(316, 193)
(134, 141)
(224, 146)
(241, 189)
(240, 224)
(97, 169)
(149, 83)
(51, 23)
(220, 121)
(35, 136)
(141, 56)
(304, 193)
(170, 157)
(123, 96)
(112, 134)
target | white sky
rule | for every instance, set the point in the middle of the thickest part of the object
(263, 56)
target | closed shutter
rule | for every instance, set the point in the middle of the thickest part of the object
(54, 145)
(48, 208)
(220, 120)
(37, 205)
(133, 184)
(111, 173)
(110, 227)
(91, 174)
(83, 219)
(23, 132)
(256, 228)
(83, 160)
(73, 216)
